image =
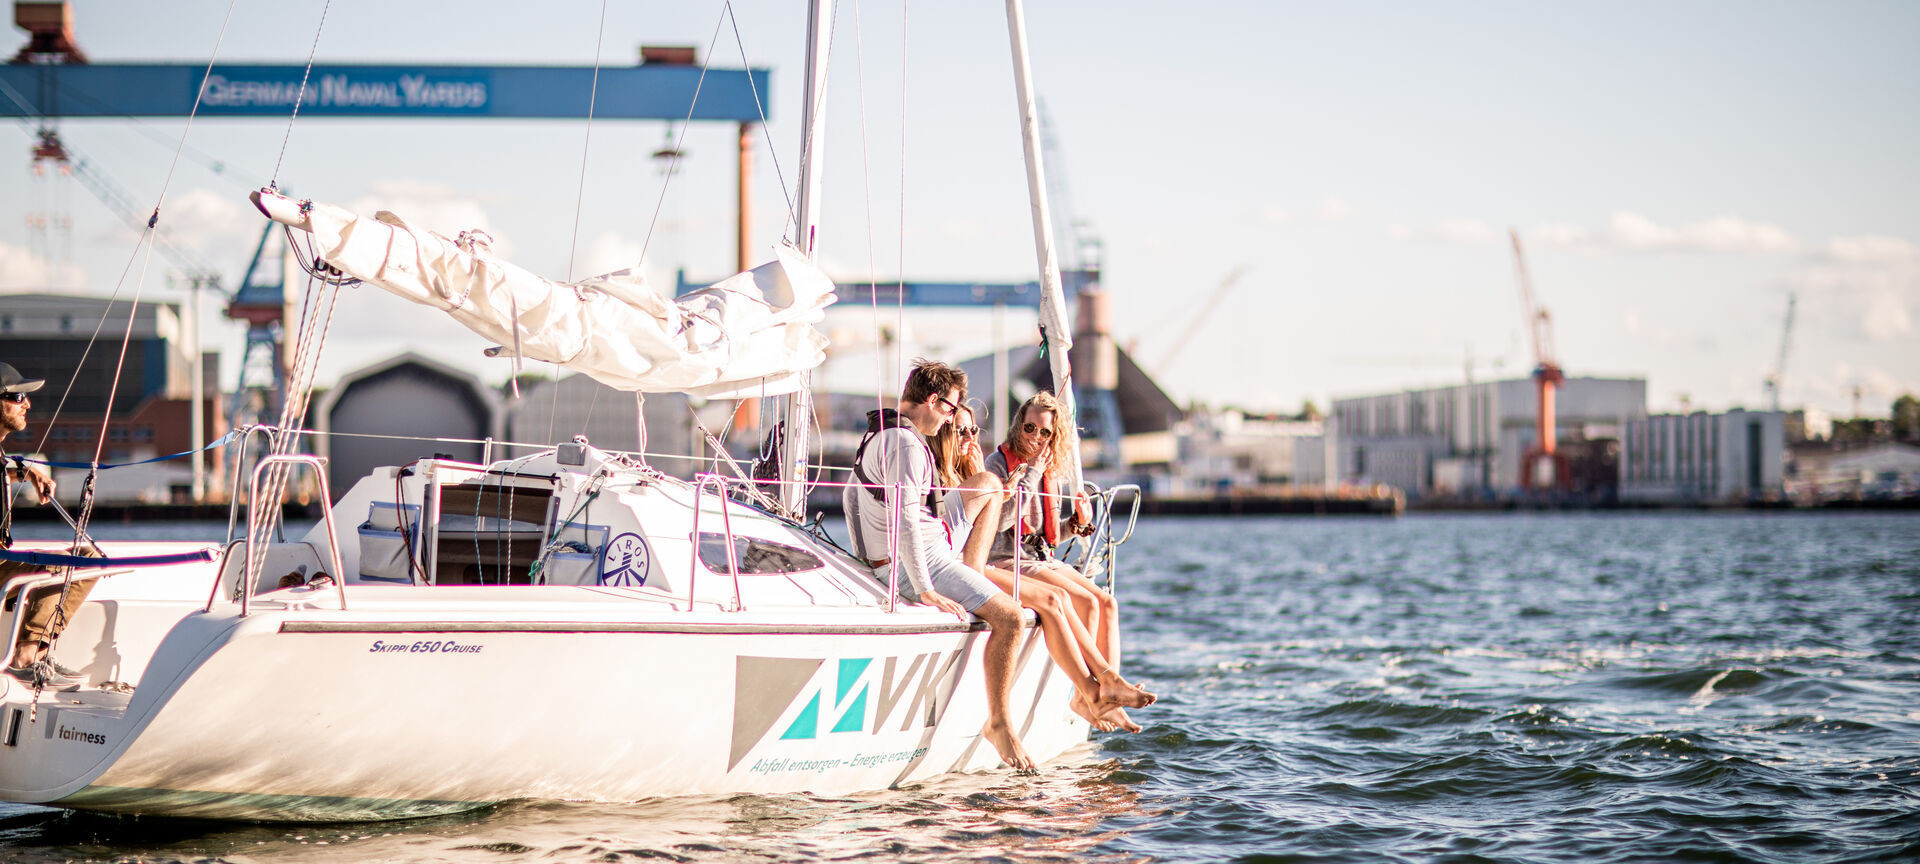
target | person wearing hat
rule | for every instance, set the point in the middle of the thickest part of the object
(45, 611)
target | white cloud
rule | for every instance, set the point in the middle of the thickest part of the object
(433, 206)
(201, 227)
(1273, 215)
(1333, 209)
(1632, 232)
(201, 219)
(1863, 287)
(25, 270)
(1466, 232)
(1567, 236)
(1885, 317)
(1835, 388)
(1871, 249)
(607, 253)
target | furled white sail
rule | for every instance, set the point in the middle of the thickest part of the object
(749, 335)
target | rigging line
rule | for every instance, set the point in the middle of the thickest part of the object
(579, 198)
(152, 221)
(105, 313)
(740, 44)
(17, 99)
(113, 389)
(299, 389)
(198, 94)
(900, 292)
(553, 405)
(207, 160)
(542, 448)
(866, 179)
(106, 416)
(681, 140)
(299, 97)
(586, 145)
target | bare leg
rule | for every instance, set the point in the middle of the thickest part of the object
(1089, 602)
(1003, 617)
(1063, 645)
(973, 550)
(1097, 607)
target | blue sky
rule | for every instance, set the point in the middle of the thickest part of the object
(1674, 169)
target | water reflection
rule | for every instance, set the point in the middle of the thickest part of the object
(1069, 812)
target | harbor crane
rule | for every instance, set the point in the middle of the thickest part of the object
(1540, 468)
(1778, 376)
(1200, 317)
(51, 153)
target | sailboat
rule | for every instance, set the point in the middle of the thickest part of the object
(570, 624)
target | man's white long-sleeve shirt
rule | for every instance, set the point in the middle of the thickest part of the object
(898, 461)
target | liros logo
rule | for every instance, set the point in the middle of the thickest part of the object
(836, 697)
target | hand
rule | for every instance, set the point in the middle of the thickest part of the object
(941, 602)
(42, 484)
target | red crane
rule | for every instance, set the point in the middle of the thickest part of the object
(1540, 467)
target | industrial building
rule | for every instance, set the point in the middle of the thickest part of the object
(552, 412)
(1470, 439)
(1701, 457)
(52, 337)
(380, 415)
(1863, 472)
(1126, 420)
(1233, 450)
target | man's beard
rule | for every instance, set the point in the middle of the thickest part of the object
(10, 423)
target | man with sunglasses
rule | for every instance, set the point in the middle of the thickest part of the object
(894, 517)
(44, 604)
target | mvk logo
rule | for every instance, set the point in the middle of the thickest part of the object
(856, 695)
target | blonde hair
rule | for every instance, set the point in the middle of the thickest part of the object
(1063, 441)
(952, 462)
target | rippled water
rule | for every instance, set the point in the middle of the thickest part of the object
(1581, 688)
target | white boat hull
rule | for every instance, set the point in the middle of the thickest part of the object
(602, 656)
(327, 715)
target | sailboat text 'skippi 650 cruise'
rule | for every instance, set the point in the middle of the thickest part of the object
(571, 624)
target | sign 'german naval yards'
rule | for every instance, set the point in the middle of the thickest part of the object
(357, 92)
(648, 91)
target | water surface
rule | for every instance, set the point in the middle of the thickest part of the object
(1577, 688)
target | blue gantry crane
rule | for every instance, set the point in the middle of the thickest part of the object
(51, 78)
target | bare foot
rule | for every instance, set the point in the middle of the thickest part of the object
(1008, 745)
(1117, 716)
(1114, 690)
(1084, 706)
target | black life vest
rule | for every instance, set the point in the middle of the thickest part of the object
(887, 418)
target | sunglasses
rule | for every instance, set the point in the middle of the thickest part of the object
(1031, 429)
(15, 398)
(946, 403)
(967, 431)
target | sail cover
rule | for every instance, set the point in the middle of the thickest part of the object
(749, 335)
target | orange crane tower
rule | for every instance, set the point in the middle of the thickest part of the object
(1540, 467)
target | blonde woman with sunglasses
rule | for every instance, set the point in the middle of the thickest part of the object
(1039, 444)
(1101, 696)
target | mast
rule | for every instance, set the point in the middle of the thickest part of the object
(1053, 298)
(797, 413)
